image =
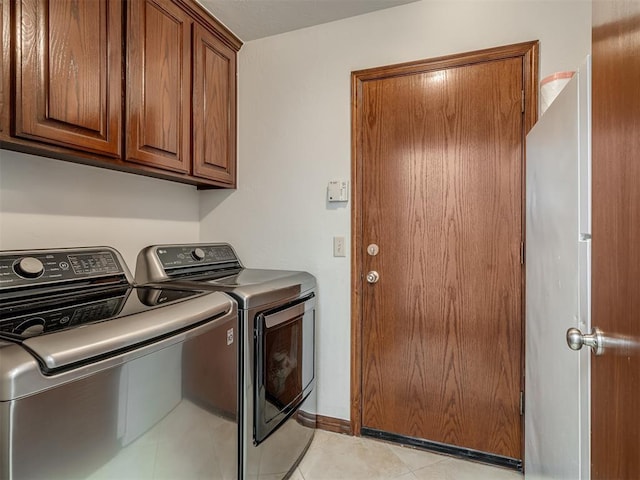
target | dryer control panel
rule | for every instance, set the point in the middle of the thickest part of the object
(159, 263)
(195, 255)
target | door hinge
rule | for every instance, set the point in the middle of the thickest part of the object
(522, 100)
(521, 403)
(521, 253)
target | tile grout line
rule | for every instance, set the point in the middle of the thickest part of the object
(389, 447)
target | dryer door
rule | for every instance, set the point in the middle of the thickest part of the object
(284, 345)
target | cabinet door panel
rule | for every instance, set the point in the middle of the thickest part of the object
(68, 71)
(4, 66)
(158, 85)
(214, 108)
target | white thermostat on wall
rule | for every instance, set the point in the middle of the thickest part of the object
(338, 191)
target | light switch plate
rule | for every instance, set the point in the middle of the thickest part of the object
(339, 247)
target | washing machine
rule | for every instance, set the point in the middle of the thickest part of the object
(103, 379)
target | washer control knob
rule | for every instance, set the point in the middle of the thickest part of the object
(198, 254)
(30, 327)
(29, 267)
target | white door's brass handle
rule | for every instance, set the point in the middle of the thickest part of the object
(373, 276)
(594, 340)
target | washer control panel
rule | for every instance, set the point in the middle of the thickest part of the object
(54, 319)
(22, 268)
(182, 256)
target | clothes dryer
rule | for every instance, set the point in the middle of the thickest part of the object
(277, 368)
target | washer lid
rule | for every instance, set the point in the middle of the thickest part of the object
(133, 325)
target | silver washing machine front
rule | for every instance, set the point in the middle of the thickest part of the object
(102, 379)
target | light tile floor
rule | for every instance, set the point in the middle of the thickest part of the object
(333, 456)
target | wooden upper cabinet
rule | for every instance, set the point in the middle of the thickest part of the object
(158, 90)
(181, 94)
(214, 108)
(68, 73)
(164, 107)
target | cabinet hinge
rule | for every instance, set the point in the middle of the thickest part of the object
(521, 253)
(521, 403)
(522, 100)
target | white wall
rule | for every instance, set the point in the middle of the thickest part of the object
(46, 203)
(294, 136)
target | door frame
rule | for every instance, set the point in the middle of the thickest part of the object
(528, 51)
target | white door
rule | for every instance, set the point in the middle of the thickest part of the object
(558, 286)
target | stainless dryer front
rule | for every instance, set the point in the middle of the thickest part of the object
(277, 322)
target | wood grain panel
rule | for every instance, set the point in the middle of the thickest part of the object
(4, 66)
(214, 107)
(162, 73)
(68, 71)
(159, 85)
(76, 66)
(332, 424)
(441, 185)
(528, 51)
(616, 250)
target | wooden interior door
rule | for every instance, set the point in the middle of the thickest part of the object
(439, 172)
(615, 377)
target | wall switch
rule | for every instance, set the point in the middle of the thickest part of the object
(339, 247)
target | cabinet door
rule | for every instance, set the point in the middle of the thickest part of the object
(214, 108)
(158, 85)
(4, 65)
(69, 73)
